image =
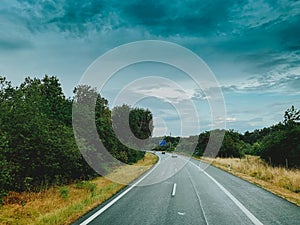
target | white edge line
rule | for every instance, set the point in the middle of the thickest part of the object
(237, 202)
(100, 211)
(174, 189)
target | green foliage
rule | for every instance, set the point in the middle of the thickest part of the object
(278, 144)
(64, 192)
(258, 134)
(281, 144)
(5, 174)
(186, 145)
(291, 115)
(37, 144)
(171, 143)
(118, 145)
(232, 145)
(255, 149)
(132, 126)
(282, 147)
(40, 146)
(202, 143)
(90, 186)
(140, 122)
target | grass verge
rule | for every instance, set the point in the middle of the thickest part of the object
(278, 180)
(64, 205)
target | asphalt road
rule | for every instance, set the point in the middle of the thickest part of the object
(191, 195)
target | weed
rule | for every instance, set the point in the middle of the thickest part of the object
(88, 185)
(64, 192)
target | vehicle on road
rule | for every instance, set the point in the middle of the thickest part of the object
(163, 152)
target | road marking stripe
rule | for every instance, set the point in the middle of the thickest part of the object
(198, 196)
(100, 211)
(237, 202)
(174, 189)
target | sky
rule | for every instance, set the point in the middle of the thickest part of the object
(252, 48)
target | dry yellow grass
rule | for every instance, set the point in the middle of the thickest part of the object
(278, 180)
(63, 205)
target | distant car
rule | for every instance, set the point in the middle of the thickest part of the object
(174, 156)
(163, 152)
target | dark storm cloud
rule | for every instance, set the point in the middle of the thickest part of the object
(75, 17)
(235, 22)
(257, 33)
(185, 18)
(160, 18)
(79, 16)
(263, 34)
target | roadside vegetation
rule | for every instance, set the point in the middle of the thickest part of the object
(40, 159)
(278, 145)
(37, 145)
(281, 181)
(65, 204)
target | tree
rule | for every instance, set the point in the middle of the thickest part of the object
(37, 144)
(282, 144)
(41, 148)
(140, 122)
(256, 149)
(55, 104)
(232, 146)
(291, 115)
(5, 173)
(89, 101)
(132, 126)
(121, 125)
(202, 143)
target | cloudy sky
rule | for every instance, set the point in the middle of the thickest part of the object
(252, 47)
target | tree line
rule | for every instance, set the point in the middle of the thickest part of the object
(38, 148)
(37, 144)
(278, 145)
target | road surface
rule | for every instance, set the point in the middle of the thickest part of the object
(192, 196)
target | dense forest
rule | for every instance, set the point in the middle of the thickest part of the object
(37, 144)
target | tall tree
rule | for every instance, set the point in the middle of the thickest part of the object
(291, 115)
(132, 126)
(42, 149)
(282, 145)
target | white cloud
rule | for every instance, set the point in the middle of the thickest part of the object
(225, 120)
(167, 93)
